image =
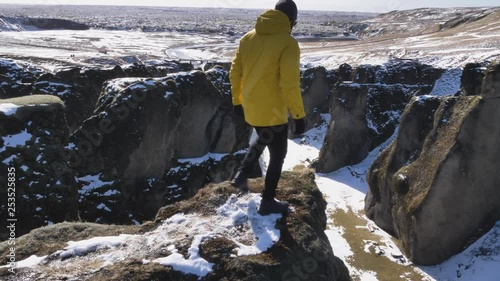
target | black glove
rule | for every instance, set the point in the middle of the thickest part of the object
(238, 111)
(300, 126)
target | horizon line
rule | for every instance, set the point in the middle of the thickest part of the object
(257, 9)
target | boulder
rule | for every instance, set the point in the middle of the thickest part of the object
(212, 247)
(33, 134)
(224, 65)
(435, 195)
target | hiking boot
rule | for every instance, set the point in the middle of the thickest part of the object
(240, 181)
(271, 206)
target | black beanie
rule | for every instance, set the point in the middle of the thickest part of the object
(288, 7)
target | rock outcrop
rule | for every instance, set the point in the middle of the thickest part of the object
(316, 85)
(124, 153)
(160, 119)
(79, 89)
(33, 133)
(16, 78)
(229, 132)
(472, 77)
(300, 251)
(48, 23)
(436, 186)
(131, 139)
(365, 113)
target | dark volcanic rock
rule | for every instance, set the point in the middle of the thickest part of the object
(436, 193)
(33, 134)
(48, 23)
(472, 78)
(369, 74)
(16, 78)
(409, 72)
(130, 135)
(124, 152)
(229, 132)
(491, 82)
(76, 104)
(416, 123)
(316, 84)
(78, 88)
(200, 102)
(345, 72)
(363, 117)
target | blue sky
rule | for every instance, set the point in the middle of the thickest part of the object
(335, 5)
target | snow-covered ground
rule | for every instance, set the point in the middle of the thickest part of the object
(119, 37)
(236, 220)
(58, 48)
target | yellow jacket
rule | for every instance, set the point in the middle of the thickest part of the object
(265, 74)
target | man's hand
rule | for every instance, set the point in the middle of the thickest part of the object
(238, 111)
(300, 126)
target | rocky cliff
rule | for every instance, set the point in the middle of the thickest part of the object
(366, 106)
(33, 134)
(123, 140)
(215, 235)
(435, 186)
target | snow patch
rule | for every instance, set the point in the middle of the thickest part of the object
(9, 108)
(448, 83)
(192, 265)
(93, 182)
(83, 247)
(168, 94)
(31, 261)
(16, 140)
(199, 160)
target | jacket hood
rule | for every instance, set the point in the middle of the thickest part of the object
(272, 21)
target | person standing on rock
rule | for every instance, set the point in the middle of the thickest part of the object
(265, 88)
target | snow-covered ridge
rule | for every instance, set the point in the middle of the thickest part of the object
(34, 24)
(424, 20)
(236, 220)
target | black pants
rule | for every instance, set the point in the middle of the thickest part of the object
(275, 138)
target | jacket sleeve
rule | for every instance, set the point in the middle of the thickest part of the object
(290, 80)
(235, 77)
